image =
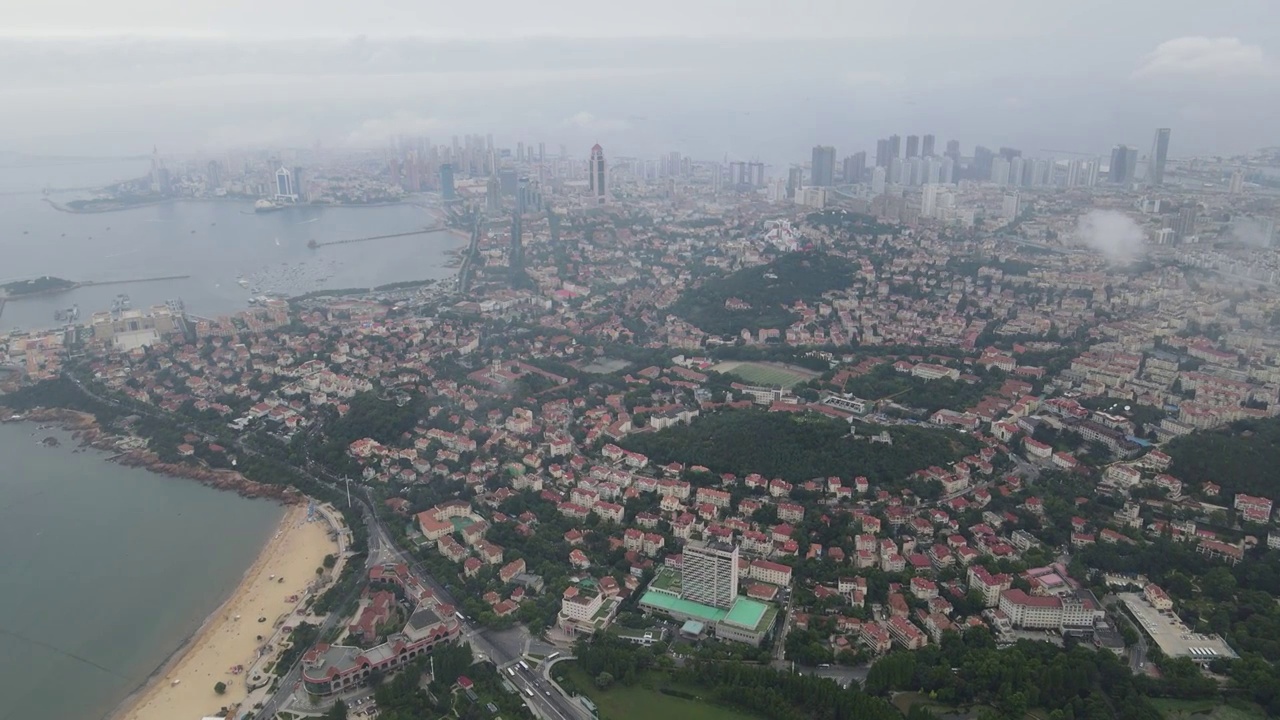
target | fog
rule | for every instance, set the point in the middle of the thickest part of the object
(709, 79)
(1116, 236)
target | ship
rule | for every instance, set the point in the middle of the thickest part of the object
(263, 206)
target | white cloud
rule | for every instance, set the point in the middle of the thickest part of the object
(1204, 56)
(377, 131)
(584, 120)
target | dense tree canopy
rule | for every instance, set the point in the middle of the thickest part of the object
(800, 447)
(1244, 458)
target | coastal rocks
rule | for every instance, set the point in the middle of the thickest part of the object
(50, 441)
(219, 479)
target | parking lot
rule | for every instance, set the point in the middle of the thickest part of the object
(1171, 634)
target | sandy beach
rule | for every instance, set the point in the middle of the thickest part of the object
(293, 553)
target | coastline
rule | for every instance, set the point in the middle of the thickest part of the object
(182, 686)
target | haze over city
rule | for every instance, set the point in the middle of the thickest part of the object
(708, 78)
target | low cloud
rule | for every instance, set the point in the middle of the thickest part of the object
(1254, 231)
(376, 132)
(1113, 234)
(1205, 57)
(584, 120)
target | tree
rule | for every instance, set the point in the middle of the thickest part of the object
(220, 687)
(604, 681)
(337, 712)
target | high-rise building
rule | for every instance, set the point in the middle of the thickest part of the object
(855, 166)
(947, 174)
(878, 180)
(213, 176)
(493, 196)
(953, 150)
(823, 169)
(1185, 225)
(795, 182)
(982, 158)
(709, 573)
(598, 174)
(1159, 153)
(1010, 206)
(895, 146)
(913, 145)
(519, 152)
(896, 168)
(1016, 171)
(756, 171)
(926, 146)
(999, 171)
(284, 183)
(1123, 158)
(882, 153)
(1237, 181)
(1009, 153)
(542, 152)
(929, 200)
(448, 191)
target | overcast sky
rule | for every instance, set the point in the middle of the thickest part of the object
(743, 78)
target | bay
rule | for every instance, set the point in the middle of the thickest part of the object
(105, 571)
(215, 242)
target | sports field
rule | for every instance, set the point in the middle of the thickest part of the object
(640, 703)
(1206, 710)
(766, 373)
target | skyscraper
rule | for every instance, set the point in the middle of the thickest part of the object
(756, 171)
(1185, 225)
(882, 153)
(493, 196)
(855, 166)
(913, 145)
(284, 183)
(795, 181)
(1159, 153)
(929, 200)
(1123, 158)
(953, 150)
(895, 147)
(709, 573)
(213, 176)
(982, 158)
(448, 191)
(824, 165)
(598, 174)
(926, 147)
(999, 171)
(877, 180)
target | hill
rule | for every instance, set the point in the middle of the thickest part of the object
(799, 447)
(763, 294)
(1242, 458)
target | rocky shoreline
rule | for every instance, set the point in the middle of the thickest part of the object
(85, 429)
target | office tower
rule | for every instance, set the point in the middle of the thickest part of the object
(929, 200)
(519, 152)
(1092, 168)
(599, 176)
(299, 183)
(284, 183)
(673, 164)
(882, 153)
(709, 573)
(1010, 206)
(213, 176)
(447, 189)
(895, 146)
(926, 147)
(877, 181)
(999, 171)
(1159, 153)
(493, 196)
(823, 169)
(1121, 164)
(542, 152)
(1009, 153)
(1237, 181)
(795, 181)
(953, 150)
(854, 167)
(982, 158)
(757, 173)
(913, 145)
(1185, 225)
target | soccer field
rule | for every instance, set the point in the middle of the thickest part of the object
(760, 373)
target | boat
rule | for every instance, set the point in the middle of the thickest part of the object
(263, 206)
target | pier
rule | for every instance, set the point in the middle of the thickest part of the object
(435, 228)
(99, 283)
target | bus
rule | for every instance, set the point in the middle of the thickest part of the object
(511, 672)
(461, 617)
(553, 656)
(528, 692)
(524, 665)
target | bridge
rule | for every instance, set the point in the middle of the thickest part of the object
(424, 231)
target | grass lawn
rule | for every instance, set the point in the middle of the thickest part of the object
(1205, 710)
(640, 703)
(762, 373)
